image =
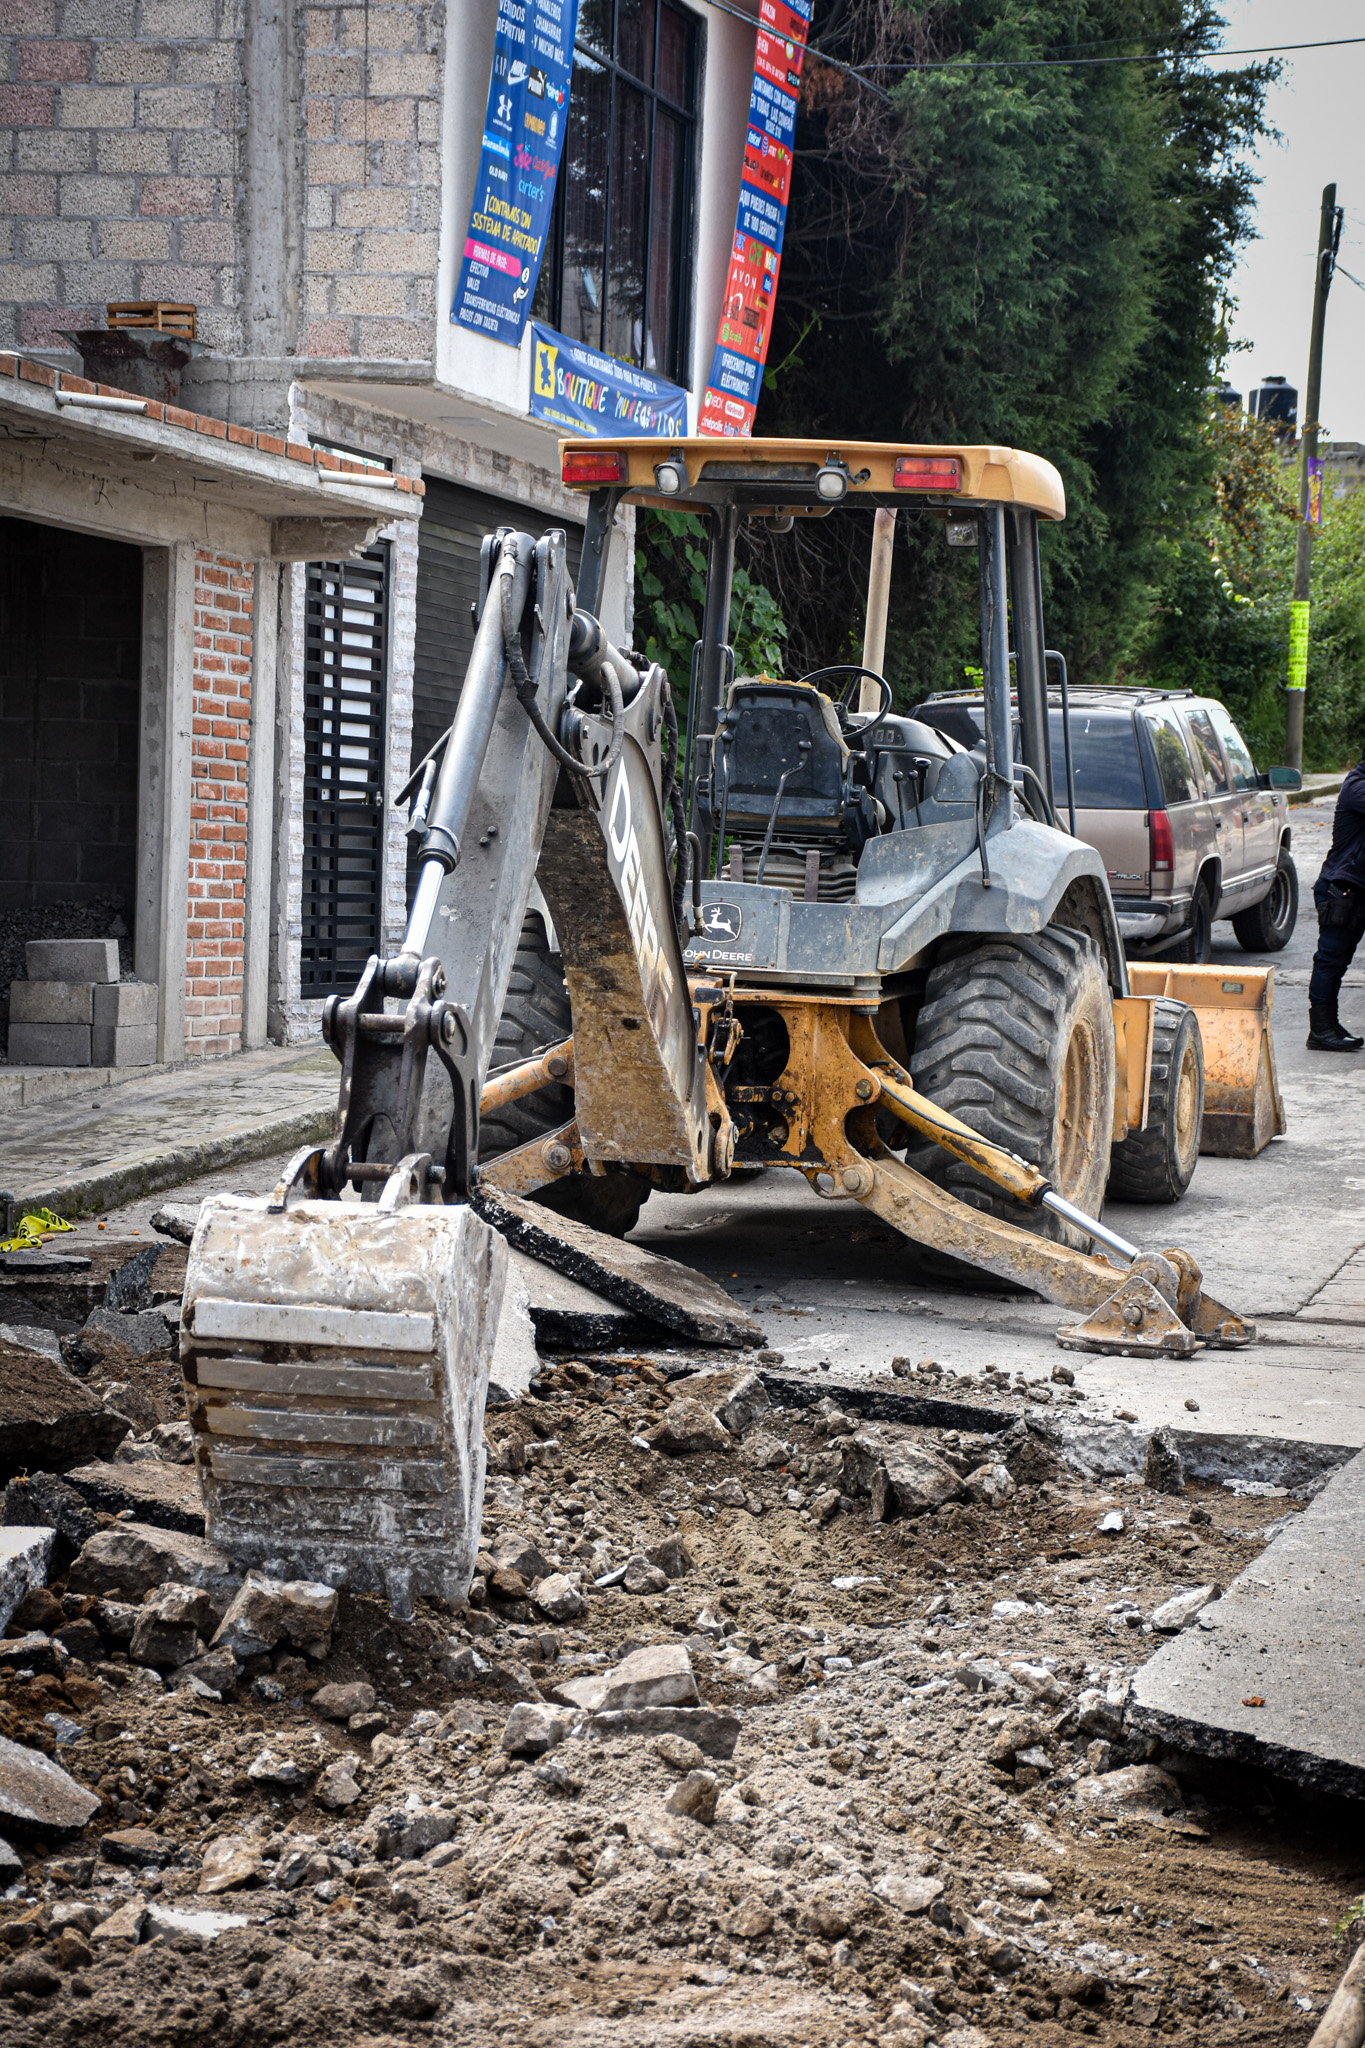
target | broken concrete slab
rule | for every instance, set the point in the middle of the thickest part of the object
(910, 1480)
(48, 1420)
(515, 1363)
(735, 1398)
(112, 1340)
(127, 1562)
(176, 1220)
(41, 1500)
(568, 1317)
(68, 1285)
(715, 1730)
(39, 1793)
(24, 1558)
(31, 1337)
(657, 1288)
(269, 1611)
(1274, 1673)
(164, 1495)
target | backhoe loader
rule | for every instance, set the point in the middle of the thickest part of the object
(766, 928)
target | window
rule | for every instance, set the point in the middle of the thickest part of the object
(1104, 761)
(1234, 748)
(344, 678)
(1207, 755)
(1178, 784)
(617, 267)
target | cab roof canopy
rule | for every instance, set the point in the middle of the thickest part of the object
(762, 475)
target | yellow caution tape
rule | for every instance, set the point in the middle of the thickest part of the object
(33, 1228)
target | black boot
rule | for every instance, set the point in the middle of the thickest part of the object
(1325, 1034)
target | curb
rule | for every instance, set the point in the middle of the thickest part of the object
(148, 1175)
(1331, 786)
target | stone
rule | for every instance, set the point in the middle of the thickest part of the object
(176, 1220)
(671, 1556)
(462, 1666)
(48, 1420)
(1183, 1608)
(643, 1577)
(11, 1863)
(167, 1921)
(831, 1908)
(116, 1620)
(270, 1769)
(125, 1924)
(41, 1500)
(1026, 1884)
(714, 1730)
(229, 1863)
(694, 1796)
(80, 1639)
(1163, 1467)
(517, 1554)
(750, 1920)
(216, 1671)
(39, 1609)
(29, 1337)
(175, 1442)
(1111, 1522)
(126, 1562)
(267, 1612)
(558, 1597)
(678, 1753)
(686, 1426)
(907, 1893)
(532, 1729)
(169, 1627)
(410, 1834)
(38, 1792)
(660, 1675)
(735, 1398)
(663, 1836)
(1101, 1713)
(156, 1495)
(339, 1702)
(1017, 1732)
(337, 1788)
(142, 1847)
(109, 1341)
(128, 1288)
(1042, 1683)
(991, 1485)
(910, 1480)
(638, 1280)
(1140, 1792)
(31, 1976)
(25, 1555)
(825, 1505)
(729, 1494)
(34, 1652)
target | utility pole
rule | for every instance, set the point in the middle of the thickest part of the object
(1329, 236)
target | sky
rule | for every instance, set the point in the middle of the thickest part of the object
(1317, 107)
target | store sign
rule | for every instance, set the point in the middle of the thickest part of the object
(523, 140)
(580, 389)
(727, 405)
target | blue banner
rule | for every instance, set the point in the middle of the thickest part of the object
(585, 392)
(523, 139)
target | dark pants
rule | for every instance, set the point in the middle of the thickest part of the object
(1341, 926)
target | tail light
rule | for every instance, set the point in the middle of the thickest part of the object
(927, 473)
(595, 466)
(1163, 844)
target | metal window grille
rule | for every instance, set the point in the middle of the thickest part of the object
(344, 683)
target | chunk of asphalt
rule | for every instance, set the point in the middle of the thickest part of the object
(48, 1420)
(1270, 1675)
(567, 1317)
(163, 1495)
(129, 1287)
(659, 1289)
(39, 1793)
(24, 1558)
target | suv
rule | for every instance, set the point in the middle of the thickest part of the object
(1167, 792)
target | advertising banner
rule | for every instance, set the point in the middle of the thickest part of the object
(727, 404)
(1314, 512)
(585, 392)
(523, 140)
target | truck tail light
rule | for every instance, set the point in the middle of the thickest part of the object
(594, 466)
(927, 473)
(1163, 843)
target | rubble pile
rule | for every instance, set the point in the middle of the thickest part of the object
(762, 1723)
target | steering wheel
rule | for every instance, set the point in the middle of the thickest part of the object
(853, 671)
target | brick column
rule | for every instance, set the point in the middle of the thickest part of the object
(219, 748)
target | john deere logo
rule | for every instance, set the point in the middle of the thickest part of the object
(543, 376)
(721, 920)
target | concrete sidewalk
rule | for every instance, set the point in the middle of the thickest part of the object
(98, 1145)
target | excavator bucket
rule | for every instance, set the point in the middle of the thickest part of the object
(336, 1358)
(1243, 1110)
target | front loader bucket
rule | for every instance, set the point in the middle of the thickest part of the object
(336, 1360)
(1242, 1106)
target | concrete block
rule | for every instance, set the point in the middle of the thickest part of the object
(51, 1002)
(124, 1002)
(24, 1555)
(72, 959)
(124, 1045)
(49, 1045)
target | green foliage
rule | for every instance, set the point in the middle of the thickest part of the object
(1035, 257)
(1220, 624)
(670, 594)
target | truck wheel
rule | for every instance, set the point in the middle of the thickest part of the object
(1157, 1164)
(1016, 1037)
(1268, 926)
(536, 1014)
(1197, 943)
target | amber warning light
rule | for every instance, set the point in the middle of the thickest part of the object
(927, 473)
(594, 466)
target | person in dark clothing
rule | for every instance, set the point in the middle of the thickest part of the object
(1339, 894)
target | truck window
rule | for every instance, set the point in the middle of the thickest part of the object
(1104, 757)
(1207, 752)
(1172, 757)
(1234, 747)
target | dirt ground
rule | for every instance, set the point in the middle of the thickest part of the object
(560, 1903)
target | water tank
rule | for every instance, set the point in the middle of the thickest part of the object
(1276, 400)
(1225, 395)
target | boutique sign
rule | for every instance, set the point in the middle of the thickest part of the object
(585, 392)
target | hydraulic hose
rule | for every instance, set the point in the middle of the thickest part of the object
(525, 688)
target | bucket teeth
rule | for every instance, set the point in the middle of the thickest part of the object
(336, 1360)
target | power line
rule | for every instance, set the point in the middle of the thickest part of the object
(1153, 57)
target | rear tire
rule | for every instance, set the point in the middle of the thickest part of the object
(1016, 1037)
(1268, 926)
(1157, 1164)
(1197, 943)
(535, 1014)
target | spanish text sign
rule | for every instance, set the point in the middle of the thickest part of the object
(523, 139)
(580, 389)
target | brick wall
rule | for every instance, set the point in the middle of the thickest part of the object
(372, 106)
(119, 142)
(218, 799)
